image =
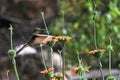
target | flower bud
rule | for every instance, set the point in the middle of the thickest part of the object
(111, 78)
(12, 53)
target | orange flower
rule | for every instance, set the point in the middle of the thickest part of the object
(47, 71)
(44, 72)
(61, 37)
(55, 40)
(80, 68)
(96, 51)
(57, 37)
(53, 78)
(50, 69)
(58, 76)
(48, 38)
(102, 50)
(87, 70)
(75, 70)
(68, 38)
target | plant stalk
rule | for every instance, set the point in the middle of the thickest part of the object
(42, 13)
(63, 62)
(52, 63)
(43, 57)
(110, 63)
(94, 24)
(15, 68)
(100, 65)
(13, 58)
(11, 33)
(110, 51)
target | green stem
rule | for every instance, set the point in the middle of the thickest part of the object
(101, 71)
(11, 33)
(11, 42)
(63, 27)
(63, 62)
(110, 57)
(43, 57)
(78, 59)
(13, 57)
(95, 36)
(63, 65)
(94, 23)
(52, 63)
(42, 13)
(110, 63)
(15, 68)
(82, 76)
(62, 52)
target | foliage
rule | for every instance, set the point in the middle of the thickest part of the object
(76, 20)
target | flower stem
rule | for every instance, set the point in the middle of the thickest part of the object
(100, 65)
(11, 33)
(95, 36)
(79, 60)
(63, 65)
(61, 52)
(15, 68)
(63, 62)
(42, 13)
(111, 49)
(94, 23)
(52, 63)
(110, 63)
(43, 57)
(13, 56)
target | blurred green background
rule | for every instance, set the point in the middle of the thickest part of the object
(76, 20)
